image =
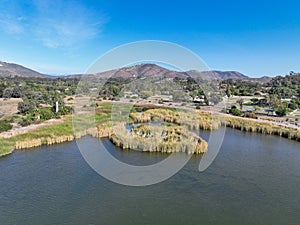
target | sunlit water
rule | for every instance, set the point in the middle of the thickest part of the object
(254, 180)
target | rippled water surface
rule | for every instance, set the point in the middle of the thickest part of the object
(254, 180)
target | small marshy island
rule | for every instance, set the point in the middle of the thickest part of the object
(165, 139)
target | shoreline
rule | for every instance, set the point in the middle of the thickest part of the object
(21, 130)
(61, 130)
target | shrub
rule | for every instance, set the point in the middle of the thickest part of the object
(235, 111)
(292, 105)
(254, 100)
(281, 111)
(25, 106)
(25, 122)
(4, 126)
(250, 115)
(46, 113)
(64, 110)
(115, 98)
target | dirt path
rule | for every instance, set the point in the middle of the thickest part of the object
(22, 130)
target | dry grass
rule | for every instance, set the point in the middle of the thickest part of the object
(9, 106)
(166, 139)
(208, 121)
(262, 127)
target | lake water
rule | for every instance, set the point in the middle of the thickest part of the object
(254, 180)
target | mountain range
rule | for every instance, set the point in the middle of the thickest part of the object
(140, 70)
(12, 70)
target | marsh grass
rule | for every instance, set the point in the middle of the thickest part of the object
(6, 146)
(165, 139)
(209, 121)
(262, 127)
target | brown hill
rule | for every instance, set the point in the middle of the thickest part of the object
(153, 70)
(12, 70)
(137, 71)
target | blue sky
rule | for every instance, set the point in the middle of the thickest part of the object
(60, 37)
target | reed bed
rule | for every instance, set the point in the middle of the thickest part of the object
(193, 120)
(28, 144)
(158, 139)
(6, 146)
(262, 127)
(208, 121)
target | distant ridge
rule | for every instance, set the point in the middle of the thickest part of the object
(12, 70)
(137, 71)
(153, 70)
(217, 75)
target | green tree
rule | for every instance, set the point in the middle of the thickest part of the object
(145, 94)
(281, 111)
(235, 111)
(274, 101)
(240, 101)
(4, 126)
(46, 113)
(25, 106)
(228, 91)
(7, 93)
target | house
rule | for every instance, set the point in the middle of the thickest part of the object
(127, 94)
(198, 99)
(270, 112)
(130, 94)
(134, 96)
(164, 98)
(286, 100)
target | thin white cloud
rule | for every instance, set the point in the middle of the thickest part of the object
(11, 23)
(11, 26)
(65, 24)
(12, 18)
(52, 23)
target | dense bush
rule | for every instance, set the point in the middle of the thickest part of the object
(25, 106)
(235, 111)
(64, 110)
(292, 105)
(281, 111)
(46, 113)
(26, 121)
(4, 126)
(250, 115)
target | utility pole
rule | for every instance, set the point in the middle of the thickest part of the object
(56, 106)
